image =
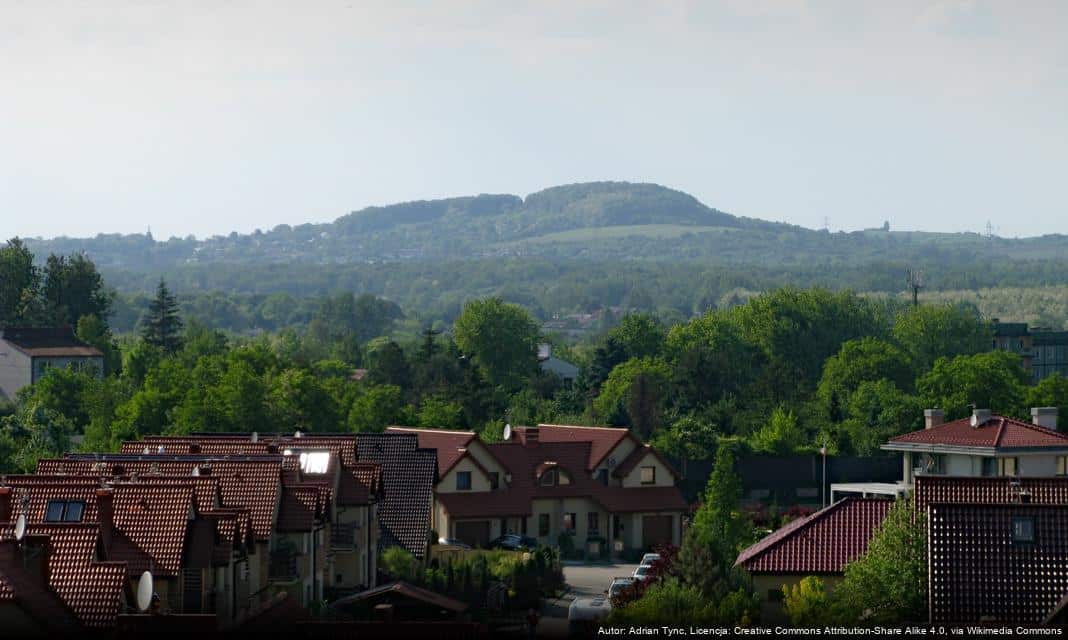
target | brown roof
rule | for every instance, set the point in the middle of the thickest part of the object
(21, 586)
(151, 523)
(48, 342)
(300, 509)
(602, 439)
(406, 590)
(979, 574)
(450, 445)
(822, 543)
(93, 590)
(250, 482)
(993, 490)
(637, 456)
(998, 432)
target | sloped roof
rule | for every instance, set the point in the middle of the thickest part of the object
(977, 572)
(991, 490)
(822, 543)
(20, 587)
(93, 590)
(409, 474)
(45, 342)
(450, 445)
(300, 508)
(151, 523)
(602, 439)
(408, 591)
(998, 432)
(636, 456)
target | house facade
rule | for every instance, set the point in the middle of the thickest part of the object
(27, 354)
(600, 486)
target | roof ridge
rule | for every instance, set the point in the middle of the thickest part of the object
(793, 526)
(430, 430)
(580, 426)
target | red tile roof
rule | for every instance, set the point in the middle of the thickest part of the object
(822, 543)
(151, 523)
(602, 439)
(992, 490)
(450, 445)
(998, 432)
(93, 590)
(977, 572)
(300, 509)
(22, 587)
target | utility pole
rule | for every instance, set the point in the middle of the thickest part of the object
(823, 484)
(915, 282)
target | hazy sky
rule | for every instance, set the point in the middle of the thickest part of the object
(209, 117)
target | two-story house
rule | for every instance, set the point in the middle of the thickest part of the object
(600, 485)
(26, 354)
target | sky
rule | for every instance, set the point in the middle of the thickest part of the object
(209, 117)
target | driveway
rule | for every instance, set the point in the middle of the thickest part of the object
(583, 580)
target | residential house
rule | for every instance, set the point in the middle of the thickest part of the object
(1043, 351)
(984, 445)
(821, 544)
(549, 363)
(599, 485)
(26, 354)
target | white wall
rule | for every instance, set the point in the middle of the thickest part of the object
(15, 371)
(479, 480)
(663, 475)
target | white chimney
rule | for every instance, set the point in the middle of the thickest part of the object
(932, 418)
(980, 417)
(1044, 417)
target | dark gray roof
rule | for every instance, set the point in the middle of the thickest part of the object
(408, 476)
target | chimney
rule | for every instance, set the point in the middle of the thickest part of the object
(980, 417)
(932, 418)
(5, 504)
(194, 447)
(1044, 417)
(105, 507)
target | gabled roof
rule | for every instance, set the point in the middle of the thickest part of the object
(406, 590)
(19, 586)
(93, 590)
(48, 342)
(301, 508)
(450, 445)
(977, 572)
(991, 490)
(997, 433)
(822, 543)
(603, 440)
(409, 474)
(151, 523)
(636, 456)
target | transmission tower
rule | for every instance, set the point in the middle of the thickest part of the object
(915, 282)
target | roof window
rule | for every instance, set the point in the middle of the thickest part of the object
(64, 511)
(1023, 530)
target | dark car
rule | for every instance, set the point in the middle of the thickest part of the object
(514, 542)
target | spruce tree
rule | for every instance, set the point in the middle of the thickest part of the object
(162, 326)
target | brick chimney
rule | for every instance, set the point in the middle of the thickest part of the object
(5, 504)
(1044, 417)
(932, 418)
(105, 507)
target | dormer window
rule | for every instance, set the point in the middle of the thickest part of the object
(64, 511)
(554, 476)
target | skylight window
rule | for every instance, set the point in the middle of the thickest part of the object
(314, 462)
(64, 511)
(1023, 530)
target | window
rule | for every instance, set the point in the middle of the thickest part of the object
(463, 480)
(495, 480)
(602, 477)
(1062, 465)
(64, 511)
(554, 477)
(593, 523)
(1006, 466)
(569, 522)
(1023, 530)
(543, 524)
(648, 475)
(990, 466)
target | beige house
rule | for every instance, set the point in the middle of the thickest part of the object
(27, 354)
(599, 485)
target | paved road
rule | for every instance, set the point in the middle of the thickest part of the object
(584, 580)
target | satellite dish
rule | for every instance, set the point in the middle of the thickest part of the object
(144, 591)
(298, 434)
(20, 527)
(611, 462)
(255, 437)
(507, 432)
(196, 471)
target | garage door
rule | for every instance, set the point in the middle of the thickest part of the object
(475, 533)
(656, 530)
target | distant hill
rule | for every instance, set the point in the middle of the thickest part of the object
(597, 220)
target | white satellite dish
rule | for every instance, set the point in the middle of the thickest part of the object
(507, 432)
(298, 434)
(144, 591)
(196, 471)
(20, 527)
(255, 437)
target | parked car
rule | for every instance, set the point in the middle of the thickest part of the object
(642, 572)
(454, 542)
(649, 558)
(513, 542)
(619, 584)
(585, 615)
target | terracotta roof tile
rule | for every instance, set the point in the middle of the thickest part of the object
(602, 439)
(822, 543)
(450, 445)
(22, 587)
(151, 523)
(992, 490)
(998, 432)
(300, 508)
(979, 574)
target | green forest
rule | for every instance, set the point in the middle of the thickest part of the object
(788, 370)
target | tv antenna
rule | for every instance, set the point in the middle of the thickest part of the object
(915, 282)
